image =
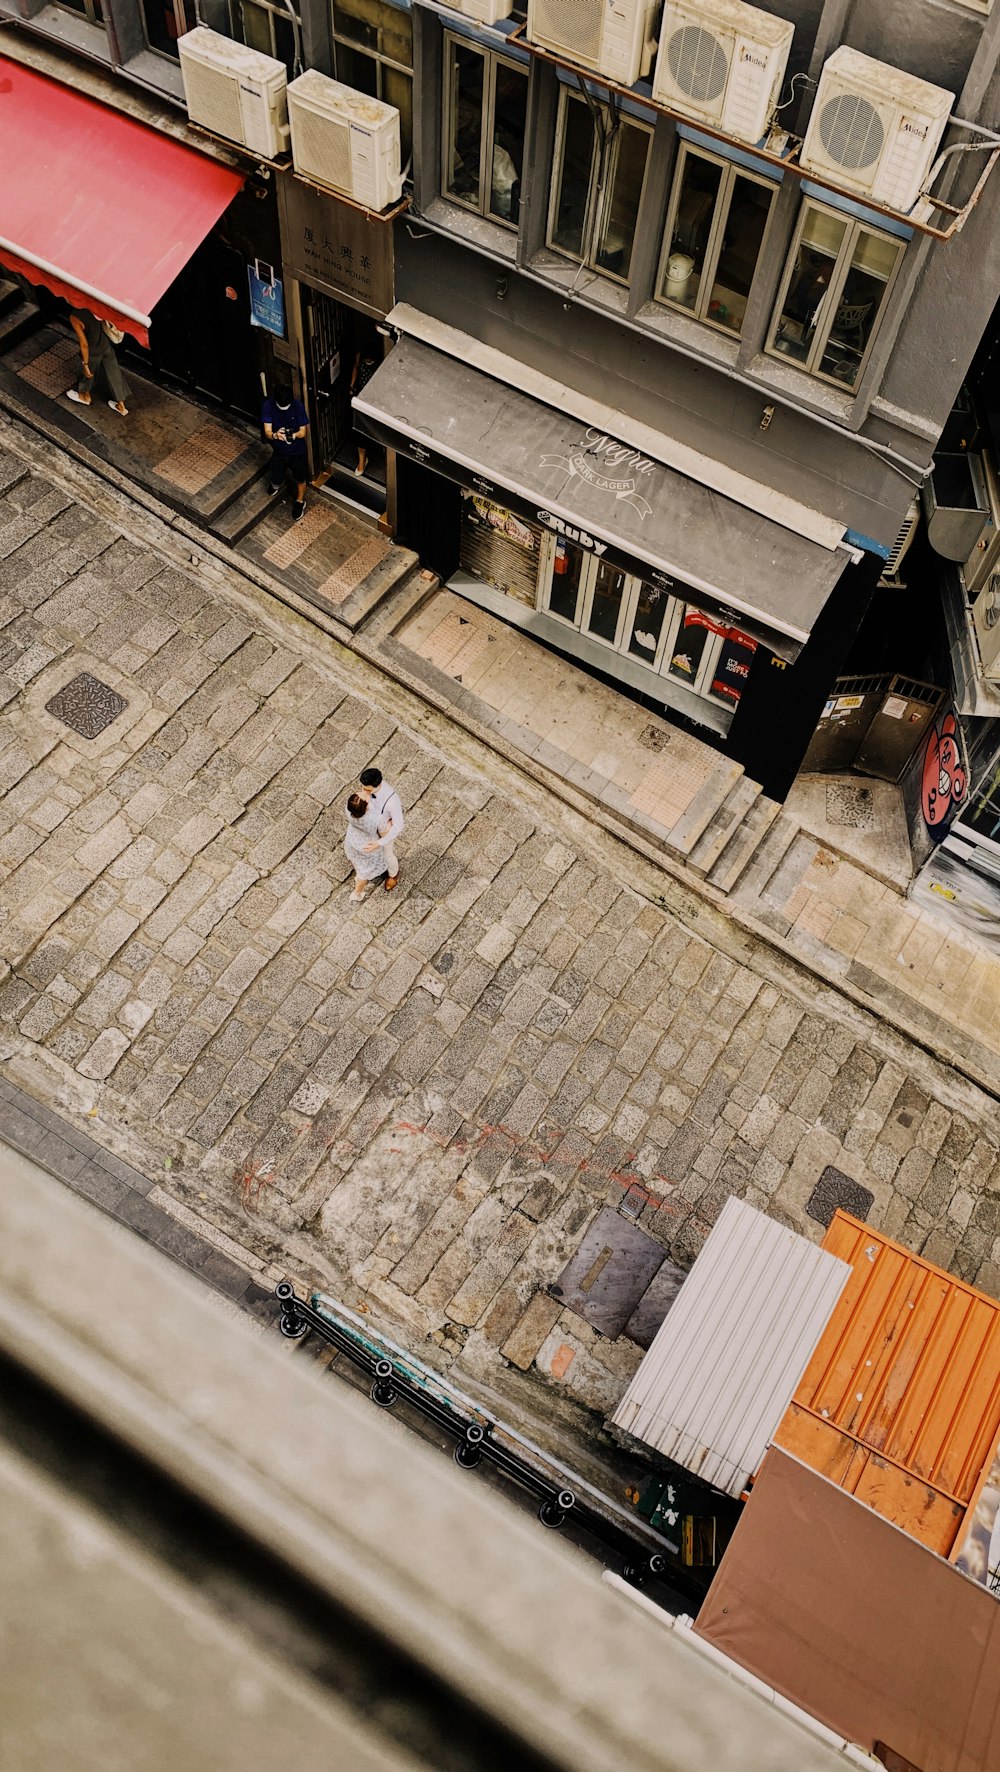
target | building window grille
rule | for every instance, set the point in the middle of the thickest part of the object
(833, 294)
(716, 219)
(373, 53)
(486, 100)
(600, 170)
(266, 25)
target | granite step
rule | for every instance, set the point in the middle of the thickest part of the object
(239, 514)
(704, 806)
(756, 852)
(723, 827)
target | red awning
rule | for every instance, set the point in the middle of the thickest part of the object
(100, 209)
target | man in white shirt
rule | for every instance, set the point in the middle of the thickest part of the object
(388, 805)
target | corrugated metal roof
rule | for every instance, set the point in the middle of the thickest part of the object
(733, 1346)
(904, 1384)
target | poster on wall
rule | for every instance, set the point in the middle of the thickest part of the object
(733, 665)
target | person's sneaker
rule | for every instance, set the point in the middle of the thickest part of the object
(298, 509)
(272, 489)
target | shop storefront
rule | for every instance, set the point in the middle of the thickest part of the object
(625, 564)
(338, 265)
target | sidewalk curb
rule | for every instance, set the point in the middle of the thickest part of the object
(366, 643)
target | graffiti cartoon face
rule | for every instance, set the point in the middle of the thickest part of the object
(943, 780)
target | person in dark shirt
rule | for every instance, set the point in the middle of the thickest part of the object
(285, 425)
(98, 362)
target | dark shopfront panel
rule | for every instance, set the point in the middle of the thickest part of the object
(201, 334)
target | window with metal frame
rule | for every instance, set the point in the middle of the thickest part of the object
(485, 106)
(267, 25)
(600, 170)
(833, 293)
(716, 219)
(373, 53)
(645, 622)
(91, 10)
(163, 21)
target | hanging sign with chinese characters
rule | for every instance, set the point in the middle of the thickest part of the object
(267, 300)
(334, 247)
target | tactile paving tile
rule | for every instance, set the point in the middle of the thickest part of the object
(196, 462)
(351, 571)
(666, 792)
(54, 370)
(299, 536)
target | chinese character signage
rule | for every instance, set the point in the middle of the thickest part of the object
(267, 299)
(335, 247)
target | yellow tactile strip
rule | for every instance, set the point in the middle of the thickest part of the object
(197, 461)
(54, 370)
(342, 581)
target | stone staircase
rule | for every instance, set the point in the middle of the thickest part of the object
(740, 833)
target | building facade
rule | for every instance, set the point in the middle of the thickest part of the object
(658, 387)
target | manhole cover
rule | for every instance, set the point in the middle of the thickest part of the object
(850, 806)
(652, 738)
(655, 1303)
(834, 1189)
(87, 705)
(609, 1273)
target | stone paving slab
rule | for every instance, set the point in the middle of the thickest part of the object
(423, 1101)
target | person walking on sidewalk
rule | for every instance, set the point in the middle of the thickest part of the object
(385, 801)
(285, 423)
(361, 843)
(97, 340)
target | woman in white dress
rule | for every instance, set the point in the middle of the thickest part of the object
(362, 829)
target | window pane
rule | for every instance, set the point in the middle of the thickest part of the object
(358, 70)
(650, 618)
(699, 191)
(160, 21)
(574, 182)
(256, 28)
(284, 41)
(746, 219)
(566, 569)
(465, 136)
(609, 587)
(689, 646)
(509, 109)
(861, 299)
(397, 89)
(805, 301)
(614, 252)
(375, 26)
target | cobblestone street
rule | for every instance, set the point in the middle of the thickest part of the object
(422, 1101)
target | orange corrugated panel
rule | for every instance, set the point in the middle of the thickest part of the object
(907, 1374)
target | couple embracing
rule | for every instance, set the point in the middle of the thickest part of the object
(375, 821)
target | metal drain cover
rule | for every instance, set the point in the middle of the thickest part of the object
(86, 705)
(853, 808)
(834, 1189)
(609, 1273)
(655, 1303)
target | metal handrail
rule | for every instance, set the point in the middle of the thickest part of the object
(480, 1436)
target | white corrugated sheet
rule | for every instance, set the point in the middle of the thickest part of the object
(731, 1350)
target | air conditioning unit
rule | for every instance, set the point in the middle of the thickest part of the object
(485, 12)
(986, 619)
(610, 37)
(901, 547)
(235, 92)
(722, 62)
(344, 140)
(874, 129)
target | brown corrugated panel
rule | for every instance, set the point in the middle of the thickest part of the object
(908, 1367)
(859, 1624)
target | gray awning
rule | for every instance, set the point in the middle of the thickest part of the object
(595, 489)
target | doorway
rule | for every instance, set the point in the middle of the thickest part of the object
(342, 347)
